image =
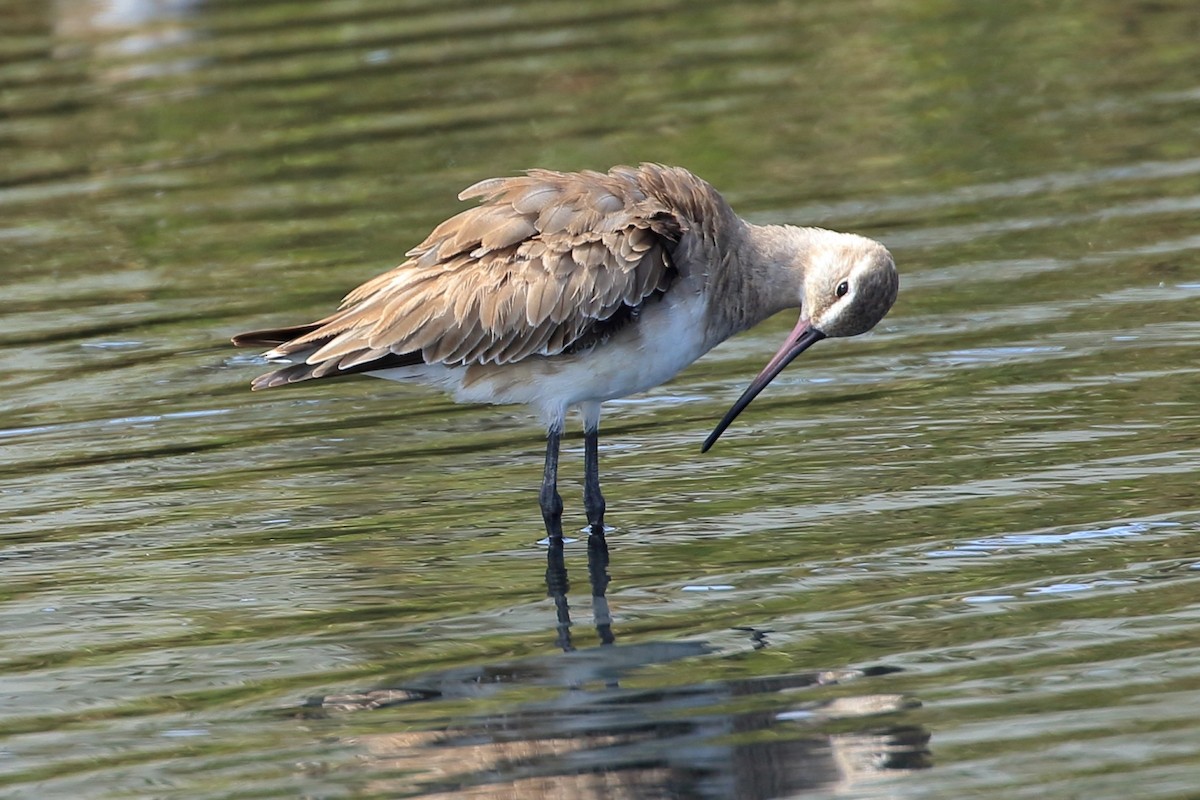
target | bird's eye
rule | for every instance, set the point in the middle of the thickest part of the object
(842, 288)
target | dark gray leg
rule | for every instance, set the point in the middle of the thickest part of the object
(593, 501)
(552, 505)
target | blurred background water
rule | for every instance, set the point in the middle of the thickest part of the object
(953, 558)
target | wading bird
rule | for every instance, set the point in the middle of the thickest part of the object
(568, 289)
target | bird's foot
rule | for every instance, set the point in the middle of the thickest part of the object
(596, 529)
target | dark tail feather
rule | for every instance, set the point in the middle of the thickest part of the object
(272, 337)
(294, 373)
(300, 370)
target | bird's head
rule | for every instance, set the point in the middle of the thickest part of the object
(847, 284)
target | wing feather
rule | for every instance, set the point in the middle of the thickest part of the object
(544, 264)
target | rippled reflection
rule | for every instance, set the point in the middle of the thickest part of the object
(586, 733)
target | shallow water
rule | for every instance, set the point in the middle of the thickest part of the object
(956, 557)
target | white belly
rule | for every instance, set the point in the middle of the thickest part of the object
(666, 338)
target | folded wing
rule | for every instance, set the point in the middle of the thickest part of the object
(547, 263)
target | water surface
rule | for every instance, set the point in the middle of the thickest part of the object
(955, 557)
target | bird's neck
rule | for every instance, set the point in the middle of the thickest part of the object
(761, 275)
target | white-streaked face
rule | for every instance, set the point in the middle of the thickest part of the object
(849, 290)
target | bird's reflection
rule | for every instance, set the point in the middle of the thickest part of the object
(747, 739)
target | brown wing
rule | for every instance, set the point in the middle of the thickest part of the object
(542, 264)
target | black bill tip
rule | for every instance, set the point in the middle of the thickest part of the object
(801, 338)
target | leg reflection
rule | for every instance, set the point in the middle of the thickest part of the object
(598, 577)
(557, 586)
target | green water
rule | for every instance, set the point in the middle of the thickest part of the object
(953, 558)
